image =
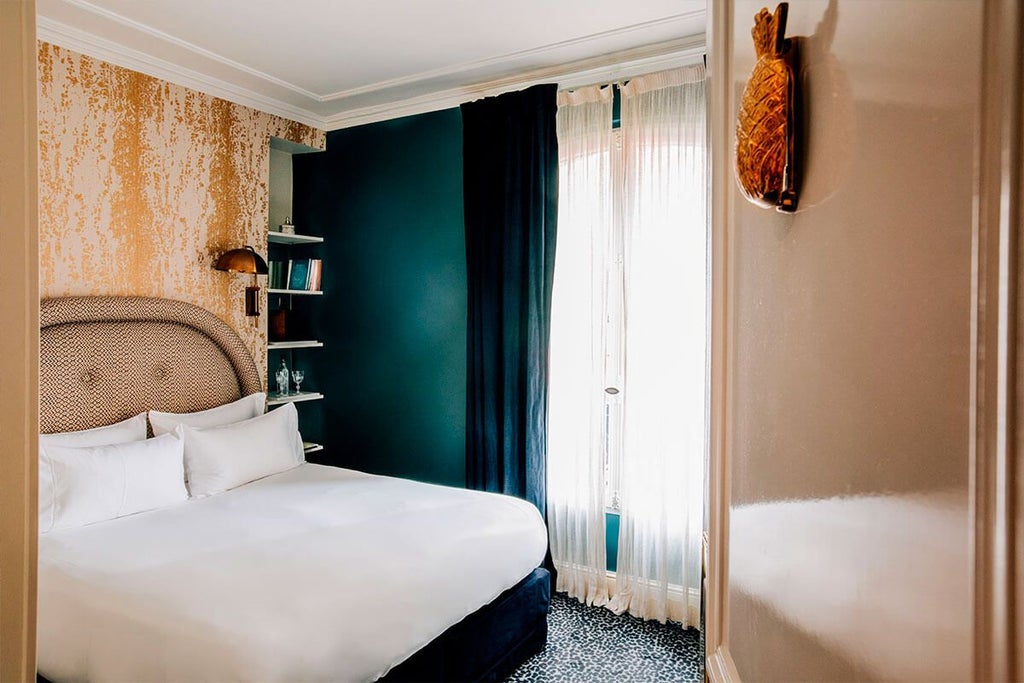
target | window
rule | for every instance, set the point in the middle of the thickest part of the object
(627, 420)
(611, 324)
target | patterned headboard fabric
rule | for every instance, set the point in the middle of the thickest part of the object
(103, 359)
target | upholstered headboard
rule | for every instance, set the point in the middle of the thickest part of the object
(103, 359)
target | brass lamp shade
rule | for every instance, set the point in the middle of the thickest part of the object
(244, 260)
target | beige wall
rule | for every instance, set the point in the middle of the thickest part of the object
(144, 183)
(849, 437)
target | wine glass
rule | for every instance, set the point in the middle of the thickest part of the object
(298, 376)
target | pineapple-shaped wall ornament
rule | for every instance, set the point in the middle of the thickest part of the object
(767, 128)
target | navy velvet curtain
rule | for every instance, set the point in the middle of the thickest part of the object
(510, 175)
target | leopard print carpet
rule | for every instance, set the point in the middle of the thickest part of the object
(591, 644)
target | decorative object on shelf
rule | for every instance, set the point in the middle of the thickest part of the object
(298, 376)
(768, 125)
(282, 379)
(278, 328)
(287, 228)
(245, 260)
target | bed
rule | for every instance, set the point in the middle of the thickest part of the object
(314, 573)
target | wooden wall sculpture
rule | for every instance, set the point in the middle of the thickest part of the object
(767, 128)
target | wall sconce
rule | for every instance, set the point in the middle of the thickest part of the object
(245, 260)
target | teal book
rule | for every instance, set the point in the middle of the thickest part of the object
(299, 274)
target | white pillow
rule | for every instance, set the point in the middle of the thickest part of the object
(221, 458)
(79, 486)
(132, 429)
(229, 413)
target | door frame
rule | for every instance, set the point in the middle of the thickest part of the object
(997, 385)
(719, 663)
(19, 345)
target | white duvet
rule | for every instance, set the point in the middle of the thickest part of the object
(313, 574)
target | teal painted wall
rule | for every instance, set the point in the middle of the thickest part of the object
(387, 197)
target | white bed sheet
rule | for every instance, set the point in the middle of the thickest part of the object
(316, 573)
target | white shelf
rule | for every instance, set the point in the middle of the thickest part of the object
(302, 292)
(281, 238)
(277, 399)
(309, 344)
(310, 447)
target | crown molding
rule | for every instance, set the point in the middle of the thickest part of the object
(604, 69)
(190, 47)
(75, 39)
(536, 53)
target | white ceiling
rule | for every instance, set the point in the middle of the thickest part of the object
(335, 63)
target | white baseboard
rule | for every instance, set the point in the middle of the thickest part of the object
(675, 592)
(720, 668)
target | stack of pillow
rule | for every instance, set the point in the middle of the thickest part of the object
(108, 472)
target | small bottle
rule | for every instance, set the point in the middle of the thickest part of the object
(282, 379)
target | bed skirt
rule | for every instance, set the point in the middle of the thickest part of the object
(491, 642)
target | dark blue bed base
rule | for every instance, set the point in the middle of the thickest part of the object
(488, 644)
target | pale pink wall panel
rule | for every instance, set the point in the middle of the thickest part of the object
(849, 549)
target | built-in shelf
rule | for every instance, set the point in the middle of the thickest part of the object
(302, 314)
(281, 238)
(276, 399)
(307, 344)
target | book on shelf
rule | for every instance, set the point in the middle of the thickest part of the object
(276, 274)
(313, 280)
(297, 274)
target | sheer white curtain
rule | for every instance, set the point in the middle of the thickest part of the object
(664, 143)
(576, 417)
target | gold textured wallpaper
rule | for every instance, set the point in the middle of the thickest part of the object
(143, 183)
